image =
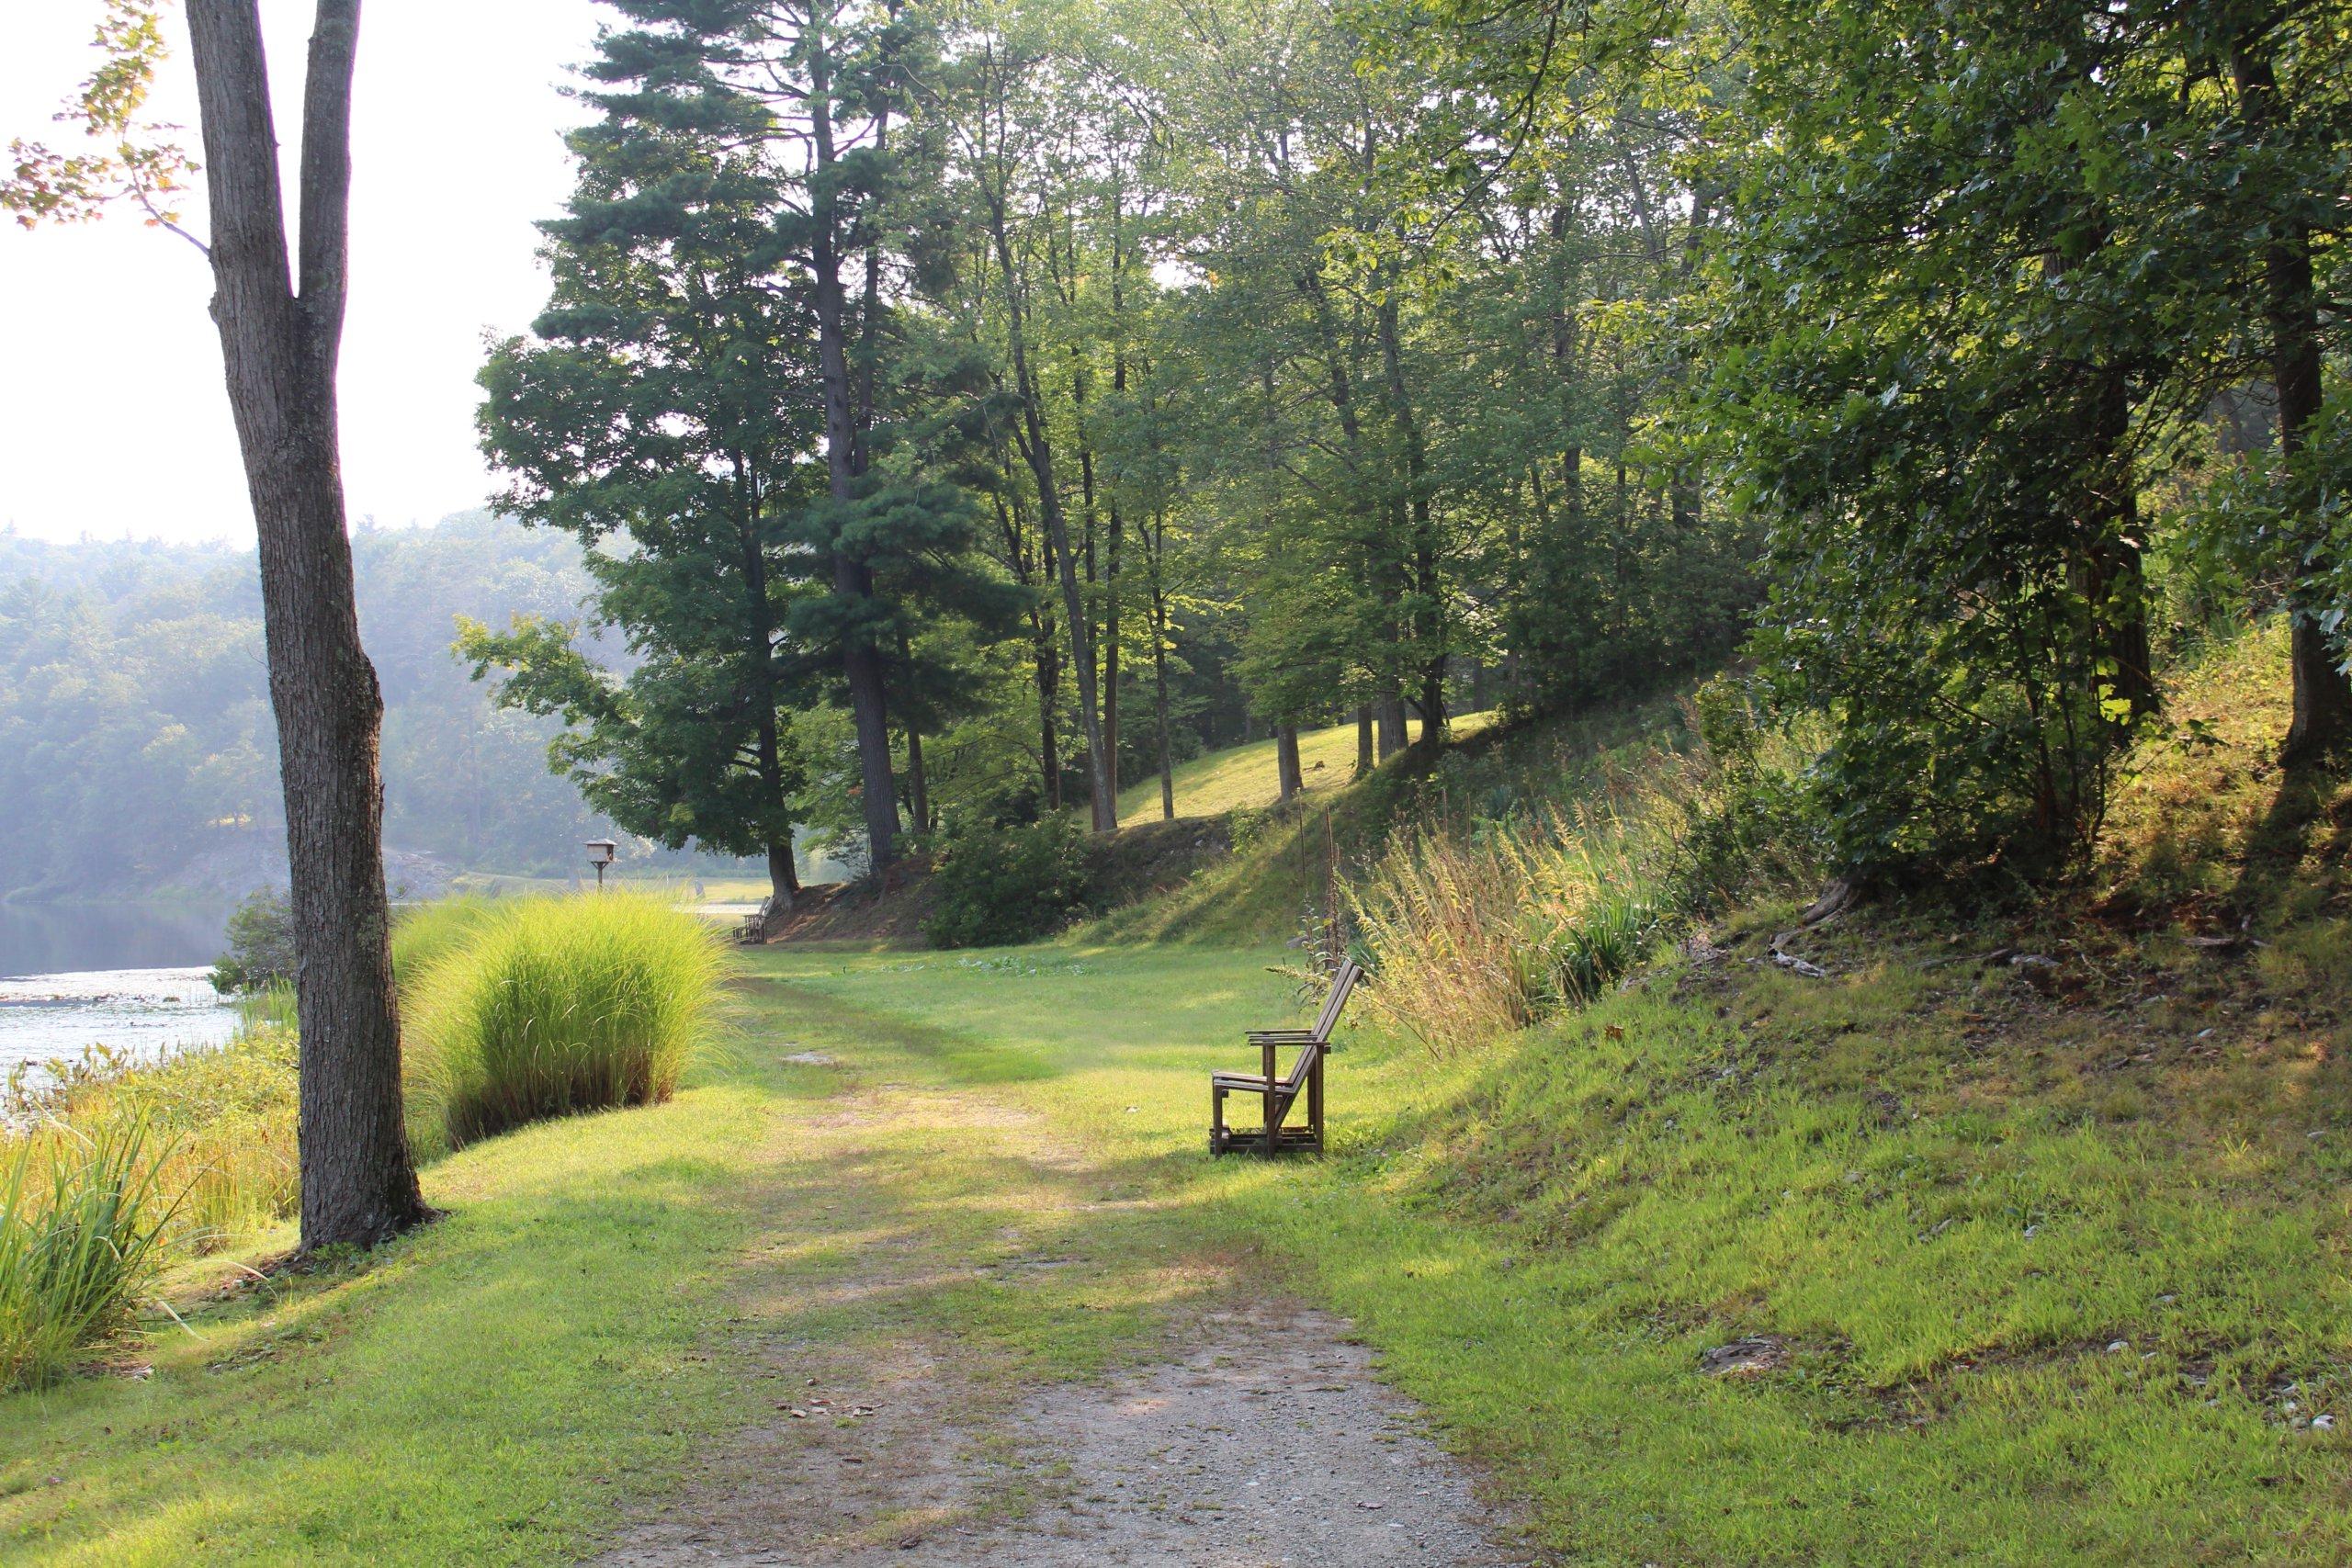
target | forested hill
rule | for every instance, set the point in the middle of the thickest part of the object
(135, 747)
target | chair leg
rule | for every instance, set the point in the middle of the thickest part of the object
(1273, 1122)
(1216, 1121)
(1315, 1101)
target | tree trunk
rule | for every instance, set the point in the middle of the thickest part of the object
(784, 875)
(1049, 694)
(1110, 654)
(759, 652)
(2321, 723)
(861, 660)
(1117, 534)
(1363, 740)
(1036, 447)
(1286, 762)
(918, 785)
(279, 350)
(1159, 687)
(1426, 626)
(1391, 711)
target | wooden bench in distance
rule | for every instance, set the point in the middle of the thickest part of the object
(1281, 1094)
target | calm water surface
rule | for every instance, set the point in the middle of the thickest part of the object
(128, 976)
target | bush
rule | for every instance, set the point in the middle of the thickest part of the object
(261, 946)
(550, 1007)
(81, 1219)
(998, 885)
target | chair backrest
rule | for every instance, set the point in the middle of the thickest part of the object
(1307, 1052)
(1342, 984)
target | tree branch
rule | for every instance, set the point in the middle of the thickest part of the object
(326, 174)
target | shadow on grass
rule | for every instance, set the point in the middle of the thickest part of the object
(2307, 818)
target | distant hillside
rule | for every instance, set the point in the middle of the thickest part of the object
(137, 751)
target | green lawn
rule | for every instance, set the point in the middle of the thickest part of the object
(1539, 1242)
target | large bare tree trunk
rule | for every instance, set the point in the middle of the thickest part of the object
(1286, 768)
(279, 348)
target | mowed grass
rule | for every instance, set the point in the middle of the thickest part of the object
(607, 1301)
(1540, 1239)
(2013, 1333)
(1243, 778)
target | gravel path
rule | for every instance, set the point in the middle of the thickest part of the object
(1271, 1443)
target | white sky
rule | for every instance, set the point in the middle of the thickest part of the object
(112, 418)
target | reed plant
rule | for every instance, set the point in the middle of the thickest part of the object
(83, 1219)
(1477, 932)
(1479, 926)
(553, 1006)
(222, 1116)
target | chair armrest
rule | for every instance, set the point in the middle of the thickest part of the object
(1280, 1037)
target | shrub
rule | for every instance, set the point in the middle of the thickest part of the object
(551, 1007)
(998, 885)
(82, 1215)
(261, 946)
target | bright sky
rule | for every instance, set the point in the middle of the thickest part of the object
(112, 417)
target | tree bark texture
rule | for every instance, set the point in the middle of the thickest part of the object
(279, 349)
(2321, 722)
(1286, 762)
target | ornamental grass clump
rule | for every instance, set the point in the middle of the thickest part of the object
(82, 1218)
(550, 1007)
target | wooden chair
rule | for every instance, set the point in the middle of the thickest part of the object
(1281, 1094)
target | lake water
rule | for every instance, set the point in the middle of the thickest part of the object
(131, 977)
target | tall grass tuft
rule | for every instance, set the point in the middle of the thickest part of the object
(83, 1215)
(1483, 927)
(1479, 933)
(424, 934)
(550, 1007)
(223, 1120)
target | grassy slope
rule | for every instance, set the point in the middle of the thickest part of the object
(1243, 778)
(1283, 860)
